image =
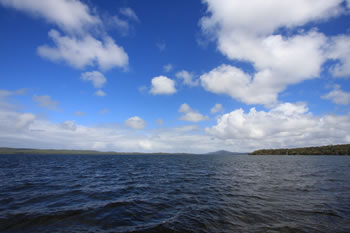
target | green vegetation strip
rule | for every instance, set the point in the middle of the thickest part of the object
(320, 150)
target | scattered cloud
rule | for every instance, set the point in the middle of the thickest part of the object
(122, 25)
(100, 93)
(217, 108)
(187, 78)
(190, 114)
(129, 13)
(161, 46)
(232, 81)
(142, 89)
(27, 130)
(122, 21)
(338, 96)
(261, 18)
(249, 32)
(97, 78)
(162, 85)
(69, 15)
(45, 101)
(167, 68)
(77, 46)
(79, 113)
(7, 93)
(339, 49)
(296, 59)
(84, 51)
(135, 123)
(286, 125)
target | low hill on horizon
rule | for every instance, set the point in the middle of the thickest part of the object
(225, 152)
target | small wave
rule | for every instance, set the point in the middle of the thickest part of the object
(174, 194)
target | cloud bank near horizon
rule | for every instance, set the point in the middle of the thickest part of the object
(142, 97)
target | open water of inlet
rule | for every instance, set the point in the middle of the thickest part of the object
(177, 193)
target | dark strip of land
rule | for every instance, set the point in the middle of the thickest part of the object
(10, 151)
(343, 149)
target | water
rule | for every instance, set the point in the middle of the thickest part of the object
(77, 193)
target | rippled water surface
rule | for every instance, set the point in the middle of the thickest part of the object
(177, 193)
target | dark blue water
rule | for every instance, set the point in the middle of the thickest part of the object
(73, 193)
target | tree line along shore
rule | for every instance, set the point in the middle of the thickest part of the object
(343, 149)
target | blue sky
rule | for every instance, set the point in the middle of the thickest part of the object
(174, 76)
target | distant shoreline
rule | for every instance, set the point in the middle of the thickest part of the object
(343, 149)
(11, 151)
(29, 151)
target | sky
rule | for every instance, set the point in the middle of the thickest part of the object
(174, 76)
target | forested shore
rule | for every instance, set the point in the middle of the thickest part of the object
(318, 150)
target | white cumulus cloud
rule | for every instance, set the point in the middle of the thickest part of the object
(85, 51)
(248, 31)
(256, 18)
(338, 96)
(46, 101)
(190, 114)
(339, 49)
(286, 125)
(289, 61)
(100, 93)
(232, 81)
(217, 108)
(81, 44)
(135, 123)
(162, 85)
(168, 67)
(97, 78)
(71, 16)
(187, 78)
